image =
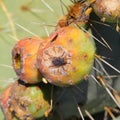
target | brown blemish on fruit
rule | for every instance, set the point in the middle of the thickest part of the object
(18, 105)
(85, 56)
(74, 69)
(70, 41)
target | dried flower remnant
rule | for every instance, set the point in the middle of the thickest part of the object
(78, 13)
(68, 58)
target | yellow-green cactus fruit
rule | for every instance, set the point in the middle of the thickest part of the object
(25, 102)
(68, 58)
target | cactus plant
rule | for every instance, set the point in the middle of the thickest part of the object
(25, 19)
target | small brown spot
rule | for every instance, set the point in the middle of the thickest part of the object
(74, 69)
(70, 41)
(85, 56)
(25, 8)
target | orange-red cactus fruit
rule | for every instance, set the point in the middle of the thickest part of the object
(24, 56)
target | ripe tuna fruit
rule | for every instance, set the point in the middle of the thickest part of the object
(25, 103)
(24, 56)
(107, 10)
(68, 58)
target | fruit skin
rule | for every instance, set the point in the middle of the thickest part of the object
(24, 56)
(68, 58)
(107, 10)
(25, 102)
(4, 98)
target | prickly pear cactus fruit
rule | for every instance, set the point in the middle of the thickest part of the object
(68, 58)
(4, 103)
(107, 10)
(24, 56)
(25, 102)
